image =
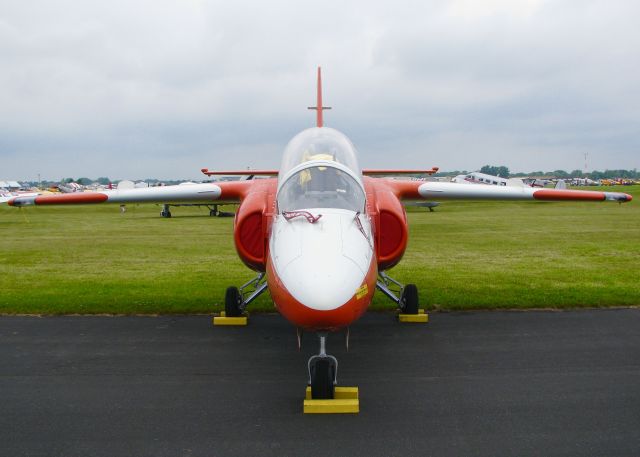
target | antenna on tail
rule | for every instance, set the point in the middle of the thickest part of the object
(319, 108)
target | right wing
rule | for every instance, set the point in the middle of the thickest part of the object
(220, 192)
(419, 190)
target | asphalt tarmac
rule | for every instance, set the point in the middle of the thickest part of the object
(466, 384)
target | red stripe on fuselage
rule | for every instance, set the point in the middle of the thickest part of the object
(550, 194)
(75, 198)
(316, 320)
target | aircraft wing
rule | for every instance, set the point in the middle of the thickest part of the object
(418, 190)
(219, 192)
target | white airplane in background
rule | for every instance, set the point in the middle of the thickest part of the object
(482, 178)
(68, 188)
(321, 232)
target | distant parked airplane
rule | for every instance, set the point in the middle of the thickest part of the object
(482, 178)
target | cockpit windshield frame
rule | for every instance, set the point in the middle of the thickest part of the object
(320, 184)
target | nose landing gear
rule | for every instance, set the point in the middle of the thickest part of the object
(323, 372)
(323, 395)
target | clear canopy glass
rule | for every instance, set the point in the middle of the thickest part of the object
(319, 144)
(321, 187)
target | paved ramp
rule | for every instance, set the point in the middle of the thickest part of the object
(482, 384)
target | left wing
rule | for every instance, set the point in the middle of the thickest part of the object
(227, 192)
(419, 190)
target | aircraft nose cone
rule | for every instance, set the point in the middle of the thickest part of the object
(323, 278)
(322, 264)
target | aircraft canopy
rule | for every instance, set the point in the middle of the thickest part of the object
(320, 170)
(319, 143)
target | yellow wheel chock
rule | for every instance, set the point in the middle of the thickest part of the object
(222, 319)
(345, 401)
(421, 317)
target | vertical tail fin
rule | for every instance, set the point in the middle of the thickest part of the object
(319, 108)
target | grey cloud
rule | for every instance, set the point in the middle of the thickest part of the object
(181, 85)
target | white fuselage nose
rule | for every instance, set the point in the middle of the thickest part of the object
(322, 264)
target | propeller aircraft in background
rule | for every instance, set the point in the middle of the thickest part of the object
(320, 232)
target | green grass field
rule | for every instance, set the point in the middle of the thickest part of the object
(465, 255)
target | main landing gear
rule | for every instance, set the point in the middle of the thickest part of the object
(213, 209)
(165, 211)
(405, 296)
(215, 212)
(236, 299)
(323, 372)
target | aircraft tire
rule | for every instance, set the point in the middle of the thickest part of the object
(232, 300)
(322, 377)
(409, 299)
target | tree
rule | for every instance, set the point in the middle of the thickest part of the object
(103, 180)
(501, 171)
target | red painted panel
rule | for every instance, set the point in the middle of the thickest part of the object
(550, 194)
(250, 234)
(391, 233)
(74, 198)
(389, 219)
(208, 172)
(253, 223)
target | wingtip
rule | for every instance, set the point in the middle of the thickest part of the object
(618, 197)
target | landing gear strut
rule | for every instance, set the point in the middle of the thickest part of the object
(165, 211)
(237, 299)
(406, 297)
(323, 372)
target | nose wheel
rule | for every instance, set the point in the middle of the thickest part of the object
(323, 373)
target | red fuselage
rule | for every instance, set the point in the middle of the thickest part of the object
(253, 229)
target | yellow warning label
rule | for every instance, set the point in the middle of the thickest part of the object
(362, 291)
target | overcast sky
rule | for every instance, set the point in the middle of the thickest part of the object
(136, 88)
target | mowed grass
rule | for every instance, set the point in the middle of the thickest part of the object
(465, 255)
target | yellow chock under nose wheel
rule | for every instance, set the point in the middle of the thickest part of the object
(222, 319)
(344, 401)
(421, 317)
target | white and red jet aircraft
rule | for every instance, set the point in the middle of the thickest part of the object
(322, 232)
